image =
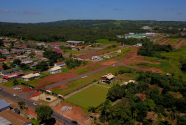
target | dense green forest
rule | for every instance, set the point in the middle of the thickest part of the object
(87, 30)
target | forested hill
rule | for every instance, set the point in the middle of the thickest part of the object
(87, 30)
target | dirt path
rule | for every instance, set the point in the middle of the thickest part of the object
(179, 43)
(102, 86)
(164, 42)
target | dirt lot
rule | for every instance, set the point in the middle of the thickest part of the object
(163, 41)
(63, 86)
(76, 113)
(43, 97)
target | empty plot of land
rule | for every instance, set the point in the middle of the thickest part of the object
(163, 42)
(44, 97)
(180, 43)
(91, 96)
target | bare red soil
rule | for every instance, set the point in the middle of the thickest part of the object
(63, 86)
(141, 59)
(181, 44)
(35, 94)
(76, 113)
(152, 69)
(58, 77)
(26, 89)
(31, 112)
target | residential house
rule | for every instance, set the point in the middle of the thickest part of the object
(44, 59)
(59, 64)
(120, 36)
(1, 69)
(12, 118)
(9, 71)
(54, 70)
(97, 58)
(22, 57)
(2, 59)
(139, 44)
(6, 54)
(27, 62)
(4, 105)
(75, 43)
(31, 76)
(108, 78)
(12, 76)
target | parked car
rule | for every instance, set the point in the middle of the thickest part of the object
(34, 103)
(14, 94)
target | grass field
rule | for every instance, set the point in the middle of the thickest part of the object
(80, 71)
(173, 41)
(91, 96)
(166, 66)
(105, 41)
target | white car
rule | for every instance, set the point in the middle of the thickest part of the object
(114, 65)
(14, 94)
(34, 103)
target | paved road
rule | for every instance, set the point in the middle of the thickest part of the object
(179, 43)
(80, 76)
(29, 103)
(164, 42)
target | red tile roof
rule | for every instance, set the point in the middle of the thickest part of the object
(1, 68)
(2, 59)
(59, 63)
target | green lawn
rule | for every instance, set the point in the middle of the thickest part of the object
(80, 71)
(105, 41)
(173, 41)
(91, 96)
(35, 122)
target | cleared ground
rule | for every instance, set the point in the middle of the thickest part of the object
(91, 96)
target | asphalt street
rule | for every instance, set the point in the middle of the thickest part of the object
(29, 103)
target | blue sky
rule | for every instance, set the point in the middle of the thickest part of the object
(33, 11)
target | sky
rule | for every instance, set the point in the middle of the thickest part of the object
(34, 11)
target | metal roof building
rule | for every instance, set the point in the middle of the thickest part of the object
(4, 105)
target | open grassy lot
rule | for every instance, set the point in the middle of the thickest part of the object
(91, 96)
(80, 71)
(176, 54)
(105, 41)
(166, 66)
(173, 41)
(82, 82)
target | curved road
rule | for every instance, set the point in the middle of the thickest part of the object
(29, 103)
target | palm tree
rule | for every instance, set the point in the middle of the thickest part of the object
(172, 116)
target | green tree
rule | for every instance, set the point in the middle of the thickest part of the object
(17, 61)
(5, 67)
(114, 93)
(172, 117)
(1, 42)
(15, 82)
(43, 112)
(154, 92)
(149, 103)
(42, 66)
(21, 104)
(9, 49)
(120, 114)
(142, 111)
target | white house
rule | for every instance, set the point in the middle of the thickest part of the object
(31, 76)
(54, 70)
(139, 44)
(59, 64)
